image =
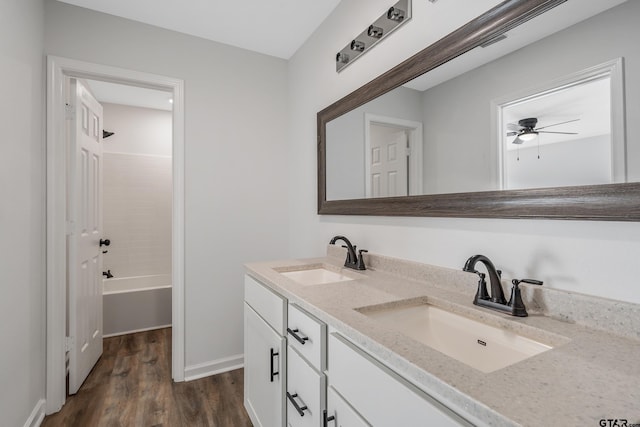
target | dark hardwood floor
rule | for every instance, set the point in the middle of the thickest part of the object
(131, 386)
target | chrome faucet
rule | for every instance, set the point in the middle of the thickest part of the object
(353, 261)
(496, 301)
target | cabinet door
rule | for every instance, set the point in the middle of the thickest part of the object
(264, 371)
(339, 413)
(383, 397)
(305, 392)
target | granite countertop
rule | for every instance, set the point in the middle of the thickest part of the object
(592, 373)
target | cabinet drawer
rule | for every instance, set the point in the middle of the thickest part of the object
(380, 395)
(270, 306)
(305, 387)
(308, 335)
(340, 413)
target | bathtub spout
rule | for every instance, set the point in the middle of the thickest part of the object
(107, 274)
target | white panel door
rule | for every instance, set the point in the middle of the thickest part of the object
(389, 159)
(264, 371)
(85, 218)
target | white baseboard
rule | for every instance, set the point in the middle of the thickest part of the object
(37, 415)
(213, 367)
(136, 330)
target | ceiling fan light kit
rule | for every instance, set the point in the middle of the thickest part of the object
(527, 135)
(389, 21)
(526, 129)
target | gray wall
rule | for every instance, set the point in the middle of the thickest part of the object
(236, 158)
(22, 242)
(464, 102)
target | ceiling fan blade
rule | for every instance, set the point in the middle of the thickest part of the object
(512, 133)
(563, 133)
(556, 124)
(517, 141)
(513, 126)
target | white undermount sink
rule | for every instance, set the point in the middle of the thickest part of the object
(481, 346)
(316, 275)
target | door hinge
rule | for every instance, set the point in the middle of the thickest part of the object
(408, 152)
(71, 228)
(69, 112)
(69, 343)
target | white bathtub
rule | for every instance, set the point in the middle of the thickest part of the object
(135, 304)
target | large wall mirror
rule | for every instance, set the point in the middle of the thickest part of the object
(526, 111)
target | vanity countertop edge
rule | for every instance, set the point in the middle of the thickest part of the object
(589, 375)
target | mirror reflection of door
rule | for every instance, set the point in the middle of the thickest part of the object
(393, 156)
(389, 162)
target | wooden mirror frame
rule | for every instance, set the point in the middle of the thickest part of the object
(608, 202)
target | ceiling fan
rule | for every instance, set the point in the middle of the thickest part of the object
(526, 129)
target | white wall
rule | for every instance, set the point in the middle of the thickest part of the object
(22, 241)
(236, 158)
(596, 258)
(137, 214)
(137, 130)
(584, 161)
(137, 190)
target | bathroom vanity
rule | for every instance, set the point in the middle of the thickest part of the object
(330, 346)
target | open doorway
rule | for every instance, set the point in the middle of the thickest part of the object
(59, 71)
(136, 208)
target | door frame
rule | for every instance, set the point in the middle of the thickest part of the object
(58, 68)
(414, 133)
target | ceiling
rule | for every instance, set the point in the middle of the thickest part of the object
(115, 93)
(272, 27)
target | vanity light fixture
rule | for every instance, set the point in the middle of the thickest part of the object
(342, 58)
(395, 14)
(375, 32)
(357, 45)
(391, 19)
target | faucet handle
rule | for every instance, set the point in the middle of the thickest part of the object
(516, 282)
(515, 302)
(361, 265)
(349, 257)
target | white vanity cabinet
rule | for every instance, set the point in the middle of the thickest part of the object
(306, 382)
(339, 413)
(264, 355)
(299, 375)
(378, 394)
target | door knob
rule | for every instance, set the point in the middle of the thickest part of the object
(105, 242)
